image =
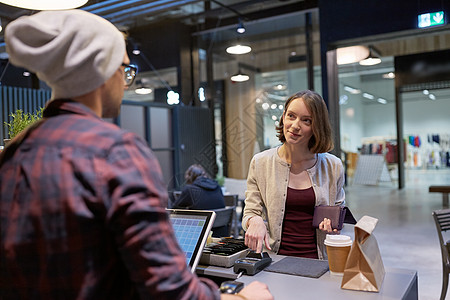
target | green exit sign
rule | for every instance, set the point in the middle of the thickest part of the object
(431, 19)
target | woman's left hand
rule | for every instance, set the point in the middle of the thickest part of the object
(325, 225)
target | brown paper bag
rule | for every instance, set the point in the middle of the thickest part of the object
(364, 270)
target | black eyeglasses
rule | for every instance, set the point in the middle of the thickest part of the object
(130, 73)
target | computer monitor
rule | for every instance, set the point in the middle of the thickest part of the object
(192, 228)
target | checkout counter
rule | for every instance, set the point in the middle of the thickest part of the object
(397, 284)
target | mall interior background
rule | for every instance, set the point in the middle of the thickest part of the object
(287, 47)
(277, 69)
(183, 50)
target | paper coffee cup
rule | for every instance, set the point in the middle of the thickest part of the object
(338, 247)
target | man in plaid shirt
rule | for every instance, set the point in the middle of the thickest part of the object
(82, 202)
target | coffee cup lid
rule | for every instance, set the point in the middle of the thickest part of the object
(338, 240)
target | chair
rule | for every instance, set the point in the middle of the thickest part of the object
(442, 220)
(444, 189)
(232, 200)
(235, 186)
(223, 222)
(176, 194)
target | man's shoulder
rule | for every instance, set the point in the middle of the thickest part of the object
(85, 124)
(89, 131)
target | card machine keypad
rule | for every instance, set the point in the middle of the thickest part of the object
(253, 263)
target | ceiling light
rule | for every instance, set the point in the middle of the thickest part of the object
(173, 98)
(353, 54)
(350, 112)
(368, 96)
(26, 74)
(240, 77)
(382, 101)
(432, 97)
(372, 59)
(141, 88)
(280, 87)
(273, 106)
(265, 106)
(143, 91)
(425, 92)
(274, 118)
(201, 94)
(351, 90)
(343, 100)
(240, 28)
(390, 75)
(239, 49)
(45, 4)
(136, 46)
(1, 28)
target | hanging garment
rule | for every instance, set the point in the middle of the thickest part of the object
(436, 138)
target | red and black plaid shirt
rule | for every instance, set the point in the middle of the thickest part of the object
(82, 208)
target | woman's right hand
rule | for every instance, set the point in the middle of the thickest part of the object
(257, 234)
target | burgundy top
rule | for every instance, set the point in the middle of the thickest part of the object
(298, 237)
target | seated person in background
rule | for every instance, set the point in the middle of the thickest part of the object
(200, 191)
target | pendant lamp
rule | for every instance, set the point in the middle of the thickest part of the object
(45, 4)
(240, 77)
(142, 89)
(240, 28)
(239, 49)
(352, 54)
(372, 59)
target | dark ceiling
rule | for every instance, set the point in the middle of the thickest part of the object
(205, 15)
(210, 20)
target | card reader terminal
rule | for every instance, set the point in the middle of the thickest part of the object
(253, 263)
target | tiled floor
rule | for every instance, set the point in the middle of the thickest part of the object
(405, 232)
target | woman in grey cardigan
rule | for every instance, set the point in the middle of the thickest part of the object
(285, 183)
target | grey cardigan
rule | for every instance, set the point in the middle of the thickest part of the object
(267, 184)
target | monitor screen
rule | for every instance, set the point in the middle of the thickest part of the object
(192, 228)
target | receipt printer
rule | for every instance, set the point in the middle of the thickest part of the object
(253, 263)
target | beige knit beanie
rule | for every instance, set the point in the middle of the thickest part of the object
(73, 51)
